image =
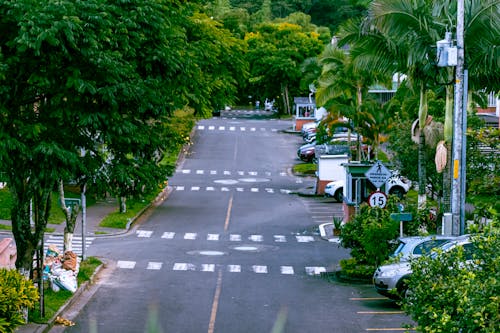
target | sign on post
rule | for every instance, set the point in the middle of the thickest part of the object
(377, 199)
(378, 174)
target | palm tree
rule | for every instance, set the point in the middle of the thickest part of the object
(343, 90)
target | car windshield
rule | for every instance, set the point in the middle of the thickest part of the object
(398, 249)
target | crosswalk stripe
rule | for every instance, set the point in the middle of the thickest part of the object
(213, 237)
(234, 268)
(231, 268)
(168, 235)
(154, 265)
(259, 269)
(257, 238)
(76, 243)
(304, 239)
(268, 190)
(279, 238)
(315, 270)
(287, 270)
(228, 172)
(235, 238)
(125, 264)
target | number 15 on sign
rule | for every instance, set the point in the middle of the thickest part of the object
(377, 199)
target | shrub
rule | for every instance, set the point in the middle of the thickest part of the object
(16, 293)
(450, 294)
(369, 234)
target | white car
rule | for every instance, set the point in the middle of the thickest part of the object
(395, 185)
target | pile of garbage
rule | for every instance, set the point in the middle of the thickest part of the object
(61, 270)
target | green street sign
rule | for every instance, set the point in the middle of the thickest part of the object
(401, 217)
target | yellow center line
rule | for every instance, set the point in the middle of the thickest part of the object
(380, 312)
(215, 303)
(396, 329)
(228, 214)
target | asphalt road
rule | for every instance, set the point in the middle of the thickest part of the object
(232, 249)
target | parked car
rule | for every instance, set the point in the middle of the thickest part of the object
(307, 152)
(391, 280)
(307, 126)
(415, 246)
(395, 185)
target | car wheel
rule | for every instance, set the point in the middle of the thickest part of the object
(403, 290)
(399, 191)
(338, 195)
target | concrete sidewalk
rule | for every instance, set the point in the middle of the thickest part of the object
(94, 215)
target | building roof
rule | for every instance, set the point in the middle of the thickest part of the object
(304, 100)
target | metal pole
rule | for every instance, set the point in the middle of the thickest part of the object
(84, 221)
(463, 155)
(457, 167)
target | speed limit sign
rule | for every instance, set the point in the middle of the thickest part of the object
(377, 199)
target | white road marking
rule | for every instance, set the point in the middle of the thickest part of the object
(224, 189)
(125, 264)
(168, 235)
(181, 266)
(241, 173)
(154, 265)
(228, 173)
(256, 238)
(213, 172)
(144, 233)
(287, 270)
(179, 188)
(211, 128)
(315, 270)
(234, 268)
(190, 235)
(221, 128)
(207, 267)
(195, 188)
(186, 171)
(269, 190)
(200, 172)
(259, 269)
(280, 238)
(304, 239)
(210, 188)
(213, 237)
(201, 127)
(254, 189)
(235, 238)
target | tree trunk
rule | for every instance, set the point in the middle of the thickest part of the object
(28, 238)
(286, 99)
(422, 177)
(448, 138)
(123, 204)
(70, 213)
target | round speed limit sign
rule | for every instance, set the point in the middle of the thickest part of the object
(377, 199)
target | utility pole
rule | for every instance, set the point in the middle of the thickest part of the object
(459, 131)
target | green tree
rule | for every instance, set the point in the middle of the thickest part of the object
(343, 91)
(95, 77)
(275, 54)
(457, 291)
